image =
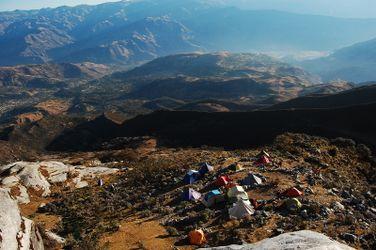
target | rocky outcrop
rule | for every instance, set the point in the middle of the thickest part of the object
(19, 180)
(304, 239)
(23, 177)
(16, 232)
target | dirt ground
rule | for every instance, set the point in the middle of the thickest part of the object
(138, 234)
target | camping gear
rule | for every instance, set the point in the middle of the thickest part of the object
(197, 237)
(292, 192)
(252, 180)
(292, 205)
(222, 181)
(237, 193)
(213, 197)
(191, 195)
(230, 185)
(191, 177)
(263, 160)
(206, 168)
(235, 167)
(100, 182)
(241, 210)
(263, 153)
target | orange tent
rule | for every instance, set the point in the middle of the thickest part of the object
(197, 237)
(292, 192)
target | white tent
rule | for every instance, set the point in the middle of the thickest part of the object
(240, 210)
(238, 193)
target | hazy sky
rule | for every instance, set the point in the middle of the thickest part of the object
(342, 8)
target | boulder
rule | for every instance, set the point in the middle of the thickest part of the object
(39, 176)
(29, 175)
(296, 240)
(16, 232)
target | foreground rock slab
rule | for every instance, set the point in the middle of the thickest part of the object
(304, 239)
(16, 232)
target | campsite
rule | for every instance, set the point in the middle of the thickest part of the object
(191, 198)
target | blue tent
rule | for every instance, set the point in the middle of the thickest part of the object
(191, 195)
(191, 177)
(212, 193)
(205, 168)
(213, 197)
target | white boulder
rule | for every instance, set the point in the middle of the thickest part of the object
(16, 232)
(304, 239)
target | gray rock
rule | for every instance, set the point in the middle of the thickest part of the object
(296, 240)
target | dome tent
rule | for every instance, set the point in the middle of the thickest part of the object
(237, 193)
(197, 237)
(191, 177)
(213, 197)
(252, 180)
(191, 195)
(292, 192)
(206, 168)
(240, 210)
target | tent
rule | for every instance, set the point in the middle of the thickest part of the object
(206, 168)
(252, 180)
(235, 167)
(237, 193)
(213, 197)
(263, 160)
(191, 177)
(240, 210)
(197, 237)
(222, 181)
(230, 185)
(292, 204)
(263, 153)
(292, 192)
(191, 195)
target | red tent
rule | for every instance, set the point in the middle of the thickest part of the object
(263, 160)
(222, 181)
(292, 192)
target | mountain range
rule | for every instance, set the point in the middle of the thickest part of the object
(355, 63)
(130, 32)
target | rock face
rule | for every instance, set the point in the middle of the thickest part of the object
(39, 176)
(296, 240)
(17, 180)
(16, 232)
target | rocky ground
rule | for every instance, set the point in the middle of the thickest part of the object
(140, 205)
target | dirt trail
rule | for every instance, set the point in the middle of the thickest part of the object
(138, 234)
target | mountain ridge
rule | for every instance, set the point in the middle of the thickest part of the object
(73, 33)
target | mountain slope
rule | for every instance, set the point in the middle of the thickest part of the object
(134, 31)
(356, 63)
(221, 75)
(44, 75)
(229, 129)
(356, 96)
